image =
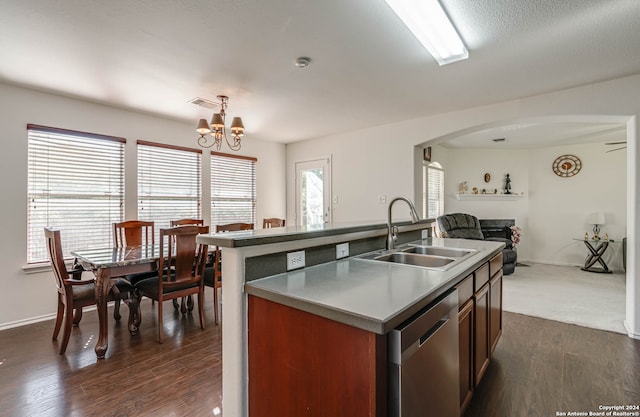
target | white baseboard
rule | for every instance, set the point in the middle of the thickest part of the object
(24, 322)
(37, 319)
(630, 332)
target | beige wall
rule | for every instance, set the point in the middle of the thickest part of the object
(27, 297)
(554, 210)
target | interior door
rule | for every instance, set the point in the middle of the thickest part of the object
(313, 192)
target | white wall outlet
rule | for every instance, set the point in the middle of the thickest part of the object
(342, 250)
(382, 199)
(295, 260)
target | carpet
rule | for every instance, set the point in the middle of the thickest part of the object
(567, 294)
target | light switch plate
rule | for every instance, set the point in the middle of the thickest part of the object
(342, 250)
(295, 260)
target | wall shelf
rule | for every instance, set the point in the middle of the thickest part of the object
(489, 197)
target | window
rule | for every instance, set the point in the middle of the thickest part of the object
(75, 184)
(233, 189)
(433, 195)
(168, 183)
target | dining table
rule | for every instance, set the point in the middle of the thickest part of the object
(108, 264)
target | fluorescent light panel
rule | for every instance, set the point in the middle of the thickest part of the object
(429, 23)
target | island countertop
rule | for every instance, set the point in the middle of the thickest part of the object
(371, 295)
(259, 237)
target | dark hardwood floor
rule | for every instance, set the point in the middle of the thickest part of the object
(540, 367)
(138, 377)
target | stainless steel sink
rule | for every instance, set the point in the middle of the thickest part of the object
(438, 251)
(426, 261)
(428, 257)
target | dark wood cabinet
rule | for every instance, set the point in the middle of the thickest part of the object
(481, 334)
(495, 306)
(301, 364)
(488, 313)
(465, 340)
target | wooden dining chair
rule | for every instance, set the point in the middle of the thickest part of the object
(233, 227)
(184, 278)
(270, 222)
(187, 222)
(133, 233)
(75, 292)
(187, 305)
(213, 273)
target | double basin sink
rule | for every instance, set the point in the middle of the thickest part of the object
(430, 257)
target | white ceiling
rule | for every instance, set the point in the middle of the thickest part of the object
(540, 134)
(366, 69)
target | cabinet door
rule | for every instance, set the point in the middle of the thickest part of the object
(465, 340)
(495, 307)
(481, 336)
(301, 364)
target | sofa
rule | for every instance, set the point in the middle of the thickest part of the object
(466, 226)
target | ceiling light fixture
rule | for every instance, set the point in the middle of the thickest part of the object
(218, 129)
(429, 23)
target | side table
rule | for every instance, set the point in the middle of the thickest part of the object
(596, 248)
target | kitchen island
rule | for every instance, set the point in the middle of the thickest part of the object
(360, 299)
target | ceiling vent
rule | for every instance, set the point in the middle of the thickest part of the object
(203, 102)
(499, 140)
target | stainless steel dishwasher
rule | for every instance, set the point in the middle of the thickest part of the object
(423, 362)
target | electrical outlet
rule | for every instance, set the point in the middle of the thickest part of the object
(425, 234)
(295, 260)
(342, 250)
(382, 199)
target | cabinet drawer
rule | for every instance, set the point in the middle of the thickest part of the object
(465, 290)
(481, 276)
(495, 264)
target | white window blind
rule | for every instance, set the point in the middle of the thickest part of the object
(233, 189)
(434, 193)
(169, 184)
(75, 184)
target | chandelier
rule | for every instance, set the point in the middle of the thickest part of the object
(218, 130)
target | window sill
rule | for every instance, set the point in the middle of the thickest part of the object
(36, 268)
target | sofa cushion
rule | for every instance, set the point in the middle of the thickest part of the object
(461, 226)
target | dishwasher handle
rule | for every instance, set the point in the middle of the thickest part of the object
(425, 338)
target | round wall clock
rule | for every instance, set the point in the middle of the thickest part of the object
(567, 166)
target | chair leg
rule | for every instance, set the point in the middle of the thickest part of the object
(189, 304)
(77, 316)
(116, 311)
(160, 332)
(66, 330)
(59, 318)
(135, 317)
(200, 307)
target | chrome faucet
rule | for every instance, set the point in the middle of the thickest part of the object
(392, 231)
